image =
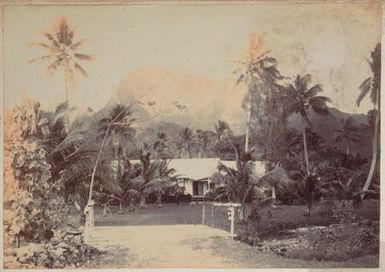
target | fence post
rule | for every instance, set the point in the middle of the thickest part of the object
(203, 213)
(212, 215)
(232, 222)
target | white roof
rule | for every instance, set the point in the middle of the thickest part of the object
(197, 169)
(194, 168)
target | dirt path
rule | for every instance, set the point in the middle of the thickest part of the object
(185, 246)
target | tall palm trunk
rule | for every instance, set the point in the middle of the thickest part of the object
(242, 211)
(97, 163)
(67, 80)
(347, 147)
(142, 201)
(159, 198)
(248, 124)
(374, 155)
(120, 206)
(305, 147)
(273, 194)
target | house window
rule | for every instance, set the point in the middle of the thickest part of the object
(212, 185)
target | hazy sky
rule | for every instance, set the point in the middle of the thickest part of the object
(332, 42)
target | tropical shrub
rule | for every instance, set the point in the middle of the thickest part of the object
(36, 217)
(218, 194)
(342, 242)
(36, 205)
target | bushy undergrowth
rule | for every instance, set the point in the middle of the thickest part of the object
(36, 215)
(339, 242)
(339, 234)
(65, 250)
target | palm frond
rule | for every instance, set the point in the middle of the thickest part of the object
(237, 158)
(277, 176)
(240, 78)
(267, 202)
(220, 196)
(318, 104)
(80, 69)
(53, 66)
(133, 193)
(268, 62)
(313, 91)
(45, 46)
(42, 58)
(83, 56)
(61, 107)
(304, 81)
(55, 42)
(271, 73)
(78, 44)
(338, 184)
(364, 88)
(263, 55)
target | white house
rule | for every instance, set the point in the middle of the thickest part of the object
(195, 174)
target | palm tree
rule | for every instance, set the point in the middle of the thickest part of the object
(242, 181)
(141, 184)
(161, 146)
(119, 119)
(257, 70)
(186, 141)
(222, 131)
(164, 179)
(129, 172)
(62, 52)
(349, 133)
(372, 86)
(53, 126)
(205, 139)
(302, 99)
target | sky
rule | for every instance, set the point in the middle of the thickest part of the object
(188, 50)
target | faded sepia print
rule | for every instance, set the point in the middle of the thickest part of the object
(192, 136)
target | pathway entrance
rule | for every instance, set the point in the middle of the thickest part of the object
(164, 245)
(187, 246)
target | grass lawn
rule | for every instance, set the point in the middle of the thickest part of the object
(282, 217)
(168, 214)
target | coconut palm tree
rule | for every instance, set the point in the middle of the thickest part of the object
(164, 179)
(121, 138)
(186, 141)
(119, 119)
(348, 133)
(141, 184)
(372, 86)
(206, 139)
(53, 126)
(222, 131)
(160, 146)
(257, 70)
(242, 182)
(62, 52)
(302, 99)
